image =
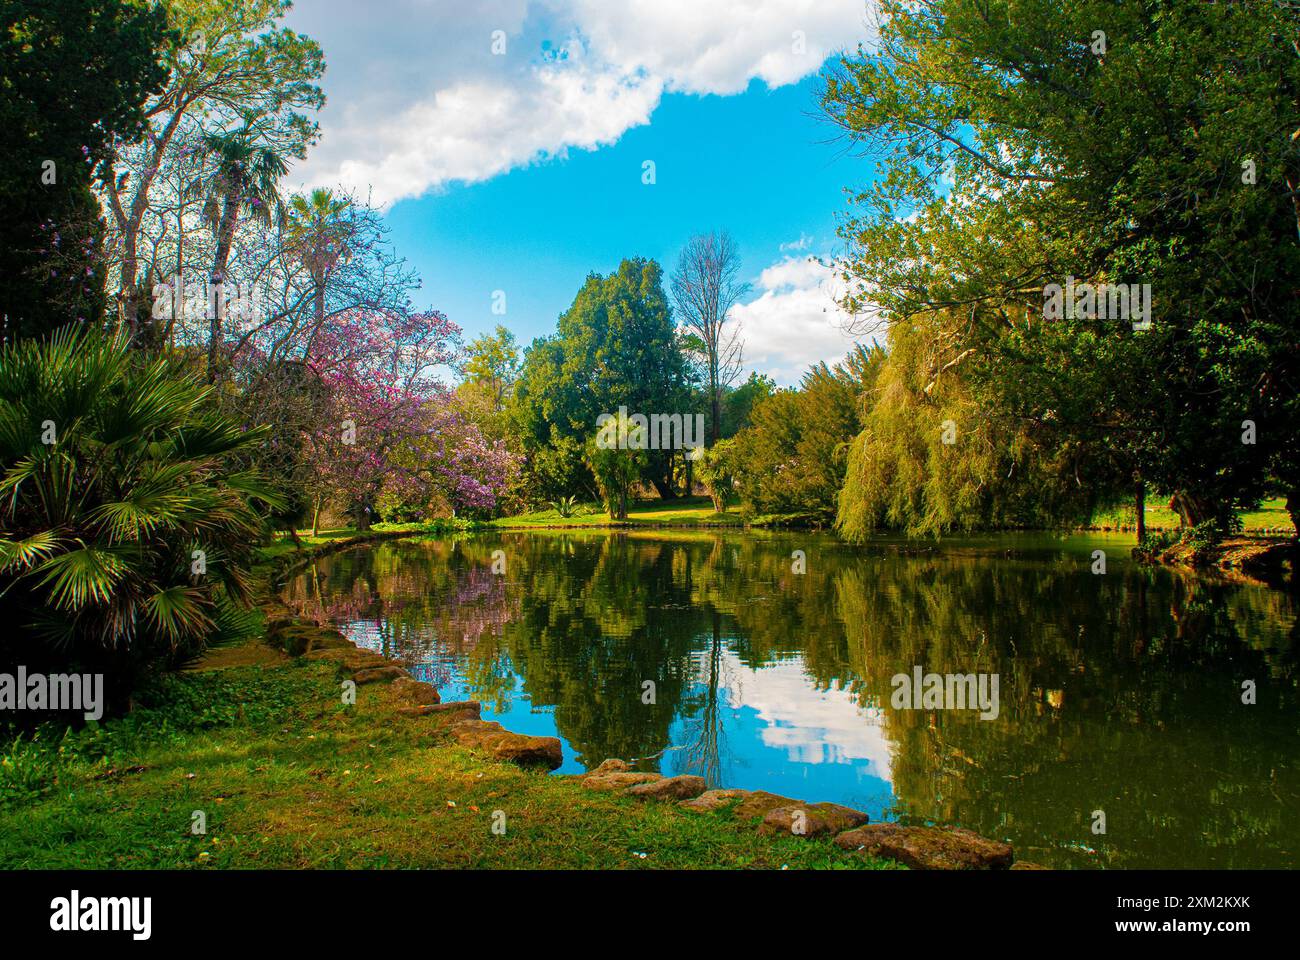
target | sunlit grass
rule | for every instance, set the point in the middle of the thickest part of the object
(687, 511)
(1271, 516)
(289, 777)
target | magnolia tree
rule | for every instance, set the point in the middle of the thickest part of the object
(390, 427)
(450, 462)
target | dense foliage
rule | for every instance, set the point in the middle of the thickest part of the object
(1027, 142)
(234, 359)
(74, 75)
(127, 533)
(791, 459)
(614, 347)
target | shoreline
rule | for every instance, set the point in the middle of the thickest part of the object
(292, 777)
(916, 847)
(1268, 560)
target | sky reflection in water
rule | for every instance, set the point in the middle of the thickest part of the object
(1118, 692)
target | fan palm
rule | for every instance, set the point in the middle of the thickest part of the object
(126, 530)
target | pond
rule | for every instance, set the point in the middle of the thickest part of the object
(768, 661)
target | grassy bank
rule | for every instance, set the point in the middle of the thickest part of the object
(289, 777)
(1271, 517)
(689, 512)
(684, 512)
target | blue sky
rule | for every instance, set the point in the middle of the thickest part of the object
(522, 172)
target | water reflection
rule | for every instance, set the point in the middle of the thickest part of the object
(1119, 692)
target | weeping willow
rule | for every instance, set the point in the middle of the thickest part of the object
(937, 454)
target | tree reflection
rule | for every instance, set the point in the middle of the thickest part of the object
(1118, 692)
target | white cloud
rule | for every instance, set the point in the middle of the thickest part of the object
(718, 46)
(803, 243)
(476, 130)
(811, 725)
(795, 321)
(417, 99)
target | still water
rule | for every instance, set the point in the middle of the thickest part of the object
(1119, 693)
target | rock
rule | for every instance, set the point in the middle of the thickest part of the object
(758, 803)
(811, 820)
(671, 788)
(415, 691)
(928, 848)
(456, 711)
(504, 745)
(711, 800)
(349, 660)
(298, 639)
(528, 750)
(609, 766)
(611, 782)
(471, 732)
(378, 675)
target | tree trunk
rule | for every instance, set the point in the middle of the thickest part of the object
(129, 222)
(1140, 508)
(1191, 508)
(315, 517)
(1293, 508)
(716, 407)
(126, 286)
(225, 237)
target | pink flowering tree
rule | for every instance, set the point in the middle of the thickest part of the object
(391, 428)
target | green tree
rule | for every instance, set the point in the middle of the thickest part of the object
(1025, 142)
(247, 182)
(716, 469)
(317, 231)
(738, 402)
(228, 62)
(936, 454)
(791, 459)
(616, 454)
(74, 75)
(614, 347)
(492, 362)
(129, 530)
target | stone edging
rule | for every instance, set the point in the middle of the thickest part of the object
(922, 848)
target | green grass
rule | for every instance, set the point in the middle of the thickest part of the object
(288, 777)
(1271, 516)
(683, 512)
(285, 544)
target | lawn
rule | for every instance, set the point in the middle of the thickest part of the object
(1270, 517)
(688, 512)
(683, 512)
(289, 777)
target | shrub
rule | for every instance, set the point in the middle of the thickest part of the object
(127, 529)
